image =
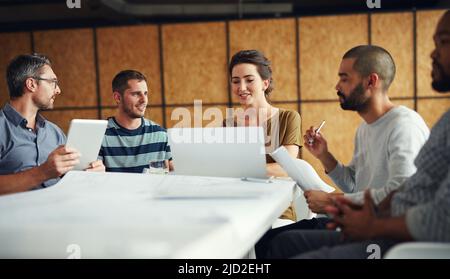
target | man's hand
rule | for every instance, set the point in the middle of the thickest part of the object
(319, 149)
(318, 200)
(171, 165)
(355, 221)
(60, 161)
(319, 146)
(384, 207)
(96, 166)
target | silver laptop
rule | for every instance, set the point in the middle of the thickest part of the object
(222, 152)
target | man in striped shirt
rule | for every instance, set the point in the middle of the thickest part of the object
(131, 141)
(418, 211)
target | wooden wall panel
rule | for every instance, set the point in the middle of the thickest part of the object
(180, 116)
(432, 109)
(129, 47)
(276, 39)
(426, 25)
(323, 42)
(195, 63)
(409, 103)
(290, 106)
(72, 54)
(394, 32)
(62, 118)
(12, 44)
(339, 131)
(108, 113)
(153, 113)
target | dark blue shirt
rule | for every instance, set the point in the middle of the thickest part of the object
(21, 148)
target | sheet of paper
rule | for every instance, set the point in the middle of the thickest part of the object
(300, 171)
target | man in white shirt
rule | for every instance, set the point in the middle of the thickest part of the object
(386, 143)
(417, 211)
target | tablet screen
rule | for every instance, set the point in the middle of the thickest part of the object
(86, 136)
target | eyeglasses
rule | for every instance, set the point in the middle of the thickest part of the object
(49, 80)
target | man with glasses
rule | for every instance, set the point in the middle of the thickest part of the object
(51, 80)
(32, 151)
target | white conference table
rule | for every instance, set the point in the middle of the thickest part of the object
(118, 215)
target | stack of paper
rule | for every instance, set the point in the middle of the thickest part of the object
(300, 171)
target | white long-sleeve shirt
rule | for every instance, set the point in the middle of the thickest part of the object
(384, 155)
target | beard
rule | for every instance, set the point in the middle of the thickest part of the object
(356, 101)
(132, 113)
(45, 106)
(48, 105)
(443, 83)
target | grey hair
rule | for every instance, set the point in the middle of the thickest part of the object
(21, 68)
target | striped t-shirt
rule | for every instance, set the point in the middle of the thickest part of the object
(126, 150)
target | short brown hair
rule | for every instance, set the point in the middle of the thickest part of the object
(120, 81)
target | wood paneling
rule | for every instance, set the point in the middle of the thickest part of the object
(339, 131)
(323, 42)
(108, 113)
(432, 109)
(409, 103)
(195, 63)
(62, 118)
(12, 44)
(72, 54)
(290, 106)
(276, 39)
(130, 47)
(155, 114)
(426, 25)
(394, 32)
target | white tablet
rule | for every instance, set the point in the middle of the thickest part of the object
(86, 136)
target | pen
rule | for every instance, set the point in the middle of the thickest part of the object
(311, 140)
